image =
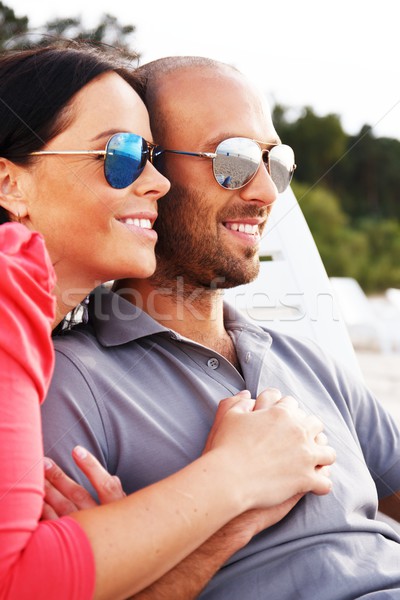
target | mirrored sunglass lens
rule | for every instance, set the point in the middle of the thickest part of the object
(236, 162)
(125, 159)
(281, 166)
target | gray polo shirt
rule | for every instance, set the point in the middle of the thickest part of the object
(142, 398)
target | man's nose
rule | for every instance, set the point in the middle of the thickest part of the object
(261, 189)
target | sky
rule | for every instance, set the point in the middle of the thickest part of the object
(339, 57)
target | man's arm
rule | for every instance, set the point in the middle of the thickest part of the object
(189, 578)
(390, 506)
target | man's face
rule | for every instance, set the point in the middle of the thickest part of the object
(208, 234)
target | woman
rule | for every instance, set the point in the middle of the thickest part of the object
(74, 166)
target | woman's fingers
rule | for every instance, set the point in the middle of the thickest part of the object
(322, 455)
(64, 496)
(48, 513)
(267, 398)
(62, 493)
(323, 480)
(321, 439)
(108, 487)
(242, 399)
(272, 396)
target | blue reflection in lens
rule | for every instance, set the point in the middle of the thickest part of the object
(125, 159)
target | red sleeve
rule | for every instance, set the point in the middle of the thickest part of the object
(49, 560)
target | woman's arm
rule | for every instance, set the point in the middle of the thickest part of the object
(137, 539)
(218, 488)
(187, 579)
(36, 560)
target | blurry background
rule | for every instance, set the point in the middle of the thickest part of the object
(331, 73)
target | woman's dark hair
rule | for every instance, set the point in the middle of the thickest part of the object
(36, 87)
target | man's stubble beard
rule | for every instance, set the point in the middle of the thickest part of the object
(186, 248)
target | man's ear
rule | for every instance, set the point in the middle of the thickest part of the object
(11, 197)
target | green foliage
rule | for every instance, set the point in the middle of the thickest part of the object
(16, 34)
(10, 25)
(382, 269)
(362, 170)
(342, 249)
(368, 179)
(324, 135)
(348, 188)
(107, 31)
(368, 251)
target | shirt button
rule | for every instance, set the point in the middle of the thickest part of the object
(248, 357)
(213, 363)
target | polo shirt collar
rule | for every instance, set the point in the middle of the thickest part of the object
(117, 321)
(235, 320)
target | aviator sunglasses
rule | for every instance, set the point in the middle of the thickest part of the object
(237, 160)
(125, 157)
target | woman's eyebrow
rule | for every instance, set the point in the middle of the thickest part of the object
(103, 134)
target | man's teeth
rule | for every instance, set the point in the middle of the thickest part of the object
(144, 223)
(243, 227)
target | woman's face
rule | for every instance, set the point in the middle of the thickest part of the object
(94, 232)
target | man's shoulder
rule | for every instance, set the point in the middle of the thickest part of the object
(281, 341)
(294, 351)
(75, 337)
(285, 342)
(302, 354)
(77, 352)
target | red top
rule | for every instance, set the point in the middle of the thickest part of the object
(53, 559)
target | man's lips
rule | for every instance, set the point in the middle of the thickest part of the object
(243, 228)
(248, 231)
(249, 226)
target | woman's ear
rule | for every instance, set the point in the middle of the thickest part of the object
(11, 197)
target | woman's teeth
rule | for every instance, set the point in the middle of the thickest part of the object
(143, 223)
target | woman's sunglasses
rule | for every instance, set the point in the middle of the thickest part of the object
(237, 160)
(125, 157)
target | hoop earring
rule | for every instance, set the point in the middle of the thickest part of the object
(18, 217)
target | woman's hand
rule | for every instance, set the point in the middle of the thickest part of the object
(64, 496)
(276, 439)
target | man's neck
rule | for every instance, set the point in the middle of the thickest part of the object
(193, 312)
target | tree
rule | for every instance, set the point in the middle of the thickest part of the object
(319, 143)
(368, 179)
(15, 32)
(382, 269)
(344, 250)
(10, 25)
(369, 252)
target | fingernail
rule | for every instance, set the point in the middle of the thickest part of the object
(47, 463)
(244, 393)
(274, 393)
(80, 452)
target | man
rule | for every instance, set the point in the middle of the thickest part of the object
(145, 394)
